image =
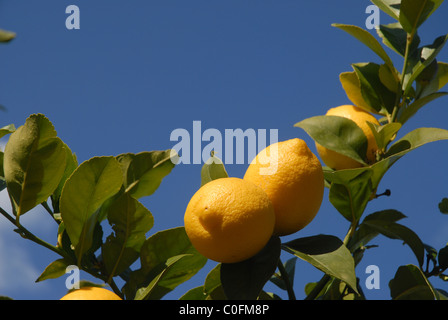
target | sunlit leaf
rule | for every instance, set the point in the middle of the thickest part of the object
(213, 169)
(34, 162)
(391, 7)
(414, 12)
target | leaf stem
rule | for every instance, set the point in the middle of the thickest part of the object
(286, 280)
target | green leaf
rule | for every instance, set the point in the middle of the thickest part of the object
(391, 7)
(155, 253)
(144, 172)
(443, 206)
(54, 270)
(425, 57)
(89, 186)
(364, 234)
(415, 139)
(351, 198)
(438, 81)
(6, 36)
(374, 92)
(290, 267)
(352, 87)
(410, 283)
(146, 292)
(395, 38)
(415, 106)
(414, 12)
(130, 221)
(338, 134)
(326, 253)
(384, 134)
(244, 280)
(70, 165)
(34, 162)
(213, 169)
(443, 258)
(394, 230)
(367, 39)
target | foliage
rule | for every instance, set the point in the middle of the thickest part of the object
(39, 169)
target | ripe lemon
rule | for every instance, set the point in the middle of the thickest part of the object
(91, 293)
(229, 220)
(338, 161)
(295, 186)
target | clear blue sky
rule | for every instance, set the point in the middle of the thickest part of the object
(137, 70)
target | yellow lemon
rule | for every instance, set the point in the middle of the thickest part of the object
(229, 220)
(338, 161)
(91, 293)
(292, 177)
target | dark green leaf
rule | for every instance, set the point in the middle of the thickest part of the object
(374, 92)
(326, 253)
(437, 82)
(155, 253)
(414, 12)
(410, 283)
(351, 198)
(34, 162)
(425, 57)
(130, 221)
(443, 206)
(395, 38)
(338, 134)
(290, 267)
(394, 230)
(213, 169)
(443, 258)
(245, 280)
(144, 172)
(90, 185)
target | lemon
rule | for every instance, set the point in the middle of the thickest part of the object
(338, 161)
(229, 220)
(295, 186)
(91, 293)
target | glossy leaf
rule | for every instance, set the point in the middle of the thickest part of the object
(155, 253)
(326, 253)
(338, 134)
(414, 12)
(245, 280)
(213, 169)
(90, 185)
(410, 283)
(7, 130)
(383, 134)
(34, 162)
(143, 172)
(130, 221)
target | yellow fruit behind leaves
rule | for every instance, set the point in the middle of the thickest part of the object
(229, 220)
(296, 187)
(91, 293)
(338, 161)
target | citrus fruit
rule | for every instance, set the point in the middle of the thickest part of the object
(338, 161)
(295, 188)
(91, 293)
(229, 220)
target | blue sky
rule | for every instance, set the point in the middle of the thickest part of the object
(137, 70)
